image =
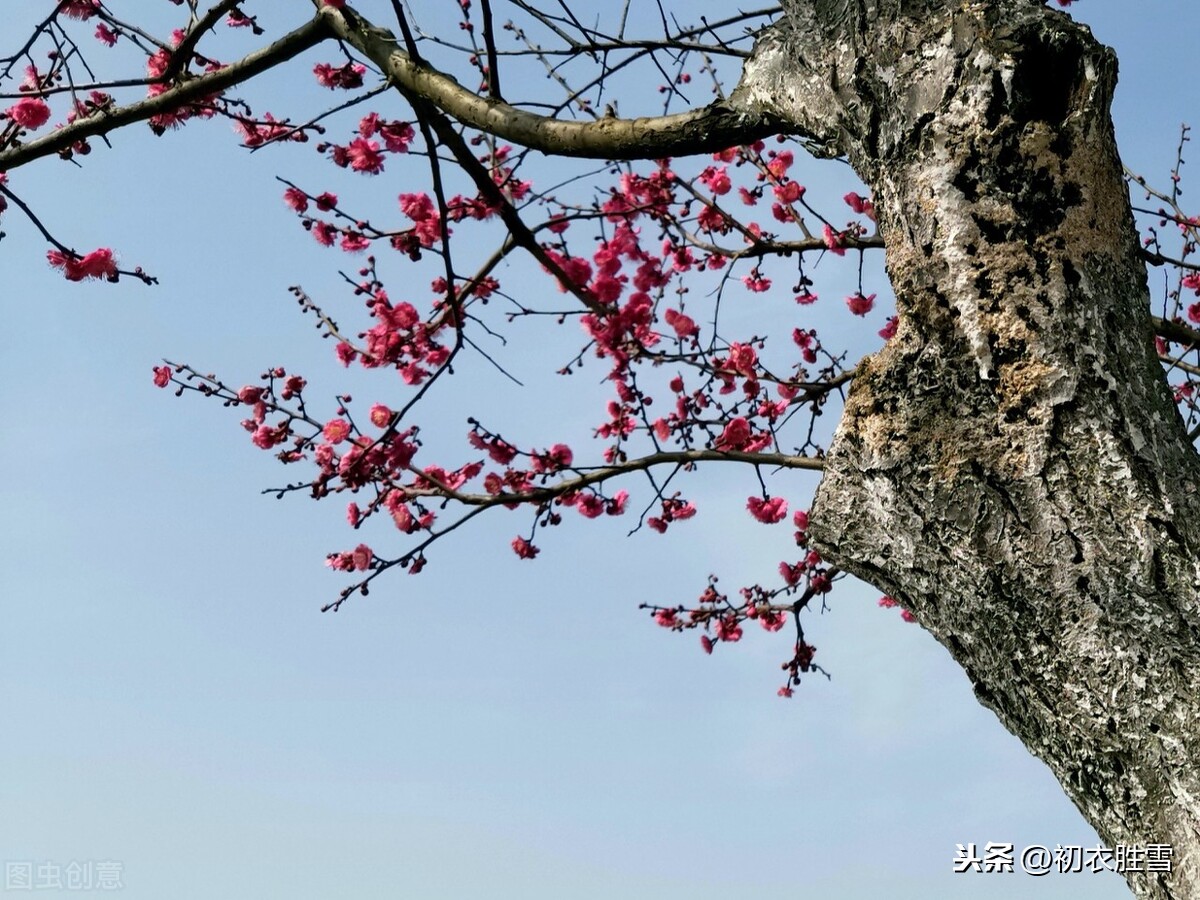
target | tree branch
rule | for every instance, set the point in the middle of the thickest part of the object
(714, 127)
(1175, 331)
(290, 45)
(595, 476)
(491, 192)
(187, 47)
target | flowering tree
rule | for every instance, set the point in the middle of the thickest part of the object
(1013, 466)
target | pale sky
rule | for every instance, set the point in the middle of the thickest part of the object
(174, 701)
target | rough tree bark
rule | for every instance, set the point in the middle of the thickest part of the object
(1011, 466)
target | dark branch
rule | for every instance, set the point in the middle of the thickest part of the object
(290, 45)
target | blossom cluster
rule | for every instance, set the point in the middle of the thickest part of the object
(684, 383)
(723, 398)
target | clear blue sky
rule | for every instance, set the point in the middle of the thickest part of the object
(173, 700)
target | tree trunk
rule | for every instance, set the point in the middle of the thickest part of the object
(1011, 466)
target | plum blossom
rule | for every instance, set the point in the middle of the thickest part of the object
(772, 621)
(728, 629)
(380, 415)
(616, 506)
(355, 242)
(768, 511)
(396, 135)
(97, 264)
(860, 205)
(742, 359)
(800, 520)
(791, 574)
(417, 207)
(265, 437)
(807, 342)
(364, 156)
(589, 505)
(684, 325)
(345, 77)
(323, 233)
(716, 179)
(336, 431)
(29, 112)
(756, 282)
(524, 549)
(358, 559)
(673, 510)
(296, 199)
(79, 9)
(362, 557)
(292, 386)
(790, 192)
(665, 618)
(736, 434)
(860, 305)
(557, 457)
(834, 240)
(780, 163)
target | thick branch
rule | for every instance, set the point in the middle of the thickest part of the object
(714, 127)
(290, 45)
(1175, 331)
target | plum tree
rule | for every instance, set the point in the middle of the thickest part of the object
(1013, 468)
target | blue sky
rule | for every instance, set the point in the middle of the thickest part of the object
(173, 700)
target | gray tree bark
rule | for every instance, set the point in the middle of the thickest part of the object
(1011, 467)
